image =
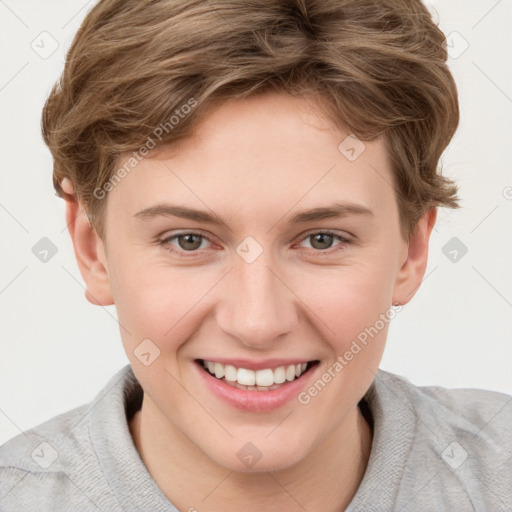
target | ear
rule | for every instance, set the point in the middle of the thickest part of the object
(89, 250)
(411, 273)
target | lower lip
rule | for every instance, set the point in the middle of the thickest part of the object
(258, 401)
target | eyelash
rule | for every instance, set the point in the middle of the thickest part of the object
(165, 242)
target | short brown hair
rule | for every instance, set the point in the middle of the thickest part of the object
(378, 65)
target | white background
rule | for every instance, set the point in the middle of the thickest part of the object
(57, 350)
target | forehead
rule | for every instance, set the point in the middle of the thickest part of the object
(262, 154)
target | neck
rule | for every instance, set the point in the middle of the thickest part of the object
(327, 479)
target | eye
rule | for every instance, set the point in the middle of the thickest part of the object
(185, 242)
(323, 240)
(192, 242)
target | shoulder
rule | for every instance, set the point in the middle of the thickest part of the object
(43, 446)
(483, 414)
(40, 466)
(54, 466)
(459, 447)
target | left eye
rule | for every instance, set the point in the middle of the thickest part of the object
(323, 240)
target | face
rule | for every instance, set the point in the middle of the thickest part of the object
(277, 280)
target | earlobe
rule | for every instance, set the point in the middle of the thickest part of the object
(89, 252)
(411, 272)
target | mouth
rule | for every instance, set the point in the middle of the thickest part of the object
(256, 380)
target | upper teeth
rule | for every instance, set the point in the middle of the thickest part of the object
(266, 377)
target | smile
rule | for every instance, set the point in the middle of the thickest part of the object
(257, 386)
(264, 379)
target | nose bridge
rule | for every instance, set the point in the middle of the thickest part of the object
(258, 307)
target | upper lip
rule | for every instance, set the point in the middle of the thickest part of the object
(251, 364)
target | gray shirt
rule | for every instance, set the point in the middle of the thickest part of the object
(434, 449)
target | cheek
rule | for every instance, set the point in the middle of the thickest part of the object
(348, 299)
(156, 302)
(354, 307)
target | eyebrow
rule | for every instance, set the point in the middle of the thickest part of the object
(336, 210)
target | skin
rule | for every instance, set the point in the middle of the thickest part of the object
(254, 163)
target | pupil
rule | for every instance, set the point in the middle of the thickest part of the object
(325, 240)
(189, 239)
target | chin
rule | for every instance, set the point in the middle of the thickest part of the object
(261, 455)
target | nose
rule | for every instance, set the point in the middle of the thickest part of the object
(259, 306)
